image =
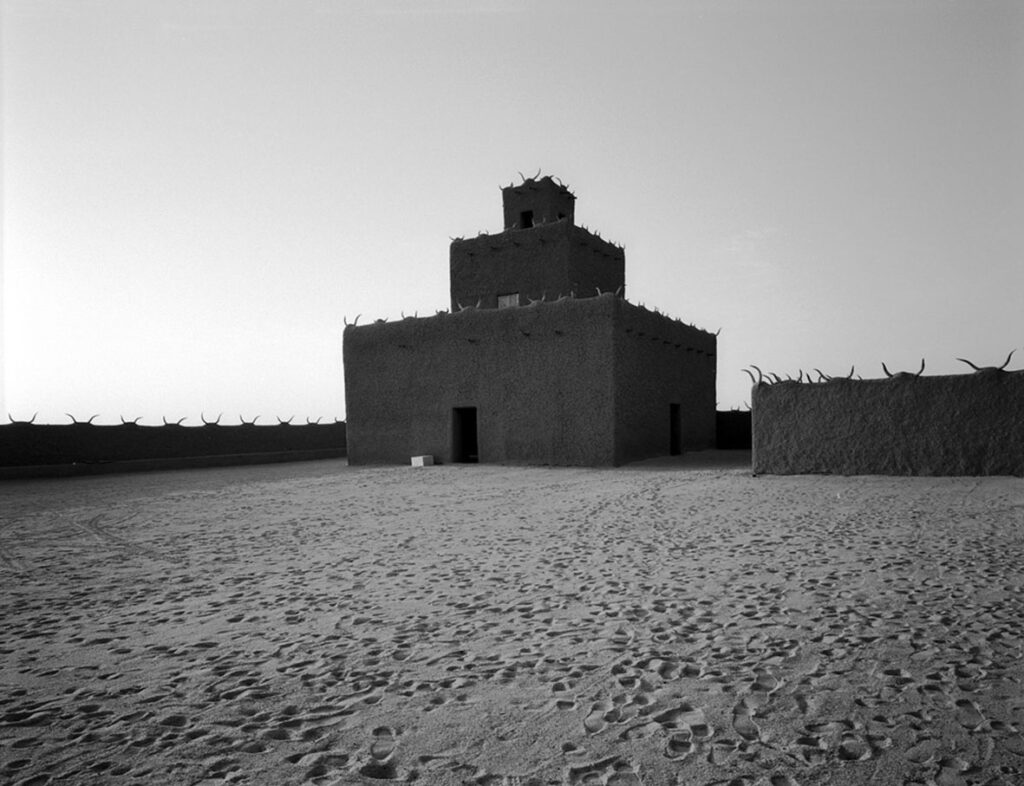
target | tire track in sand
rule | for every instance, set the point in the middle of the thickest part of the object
(7, 558)
(102, 535)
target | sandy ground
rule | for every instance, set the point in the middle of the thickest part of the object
(664, 623)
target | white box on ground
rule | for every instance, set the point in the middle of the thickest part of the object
(423, 461)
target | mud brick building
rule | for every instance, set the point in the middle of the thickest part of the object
(541, 359)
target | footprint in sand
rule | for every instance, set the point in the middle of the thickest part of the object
(595, 720)
(685, 715)
(381, 765)
(800, 700)
(221, 767)
(379, 770)
(668, 670)
(383, 744)
(743, 722)
(687, 728)
(853, 747)
(899, 679)
(723, 751)
(783, 779)
(923, 751)
(1014, 744)
(640, 731)
(951, 771)
(612, 771)
(969, 715)
(322, 766)
(765, 682)
(813, 748)
(680, 745)
(492, 779)
(623, 774)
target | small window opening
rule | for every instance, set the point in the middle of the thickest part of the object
(509, 300)
(561, 216)
(526, 219)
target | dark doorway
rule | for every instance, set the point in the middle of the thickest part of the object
(526, 219)
(675, 430)
(464, 447)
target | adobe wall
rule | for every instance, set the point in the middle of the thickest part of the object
(546, 261)
(660, 361)
(969, 424)
(595, 263)
(483, 267)
(547, 200)
(540, 377)
(25, 445)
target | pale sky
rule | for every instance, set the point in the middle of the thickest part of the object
(195, 193)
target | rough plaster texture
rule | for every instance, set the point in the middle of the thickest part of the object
(572, 383)
(24, 445)
(537, 375)
(970, 424)
(658, 362)
(543, 262)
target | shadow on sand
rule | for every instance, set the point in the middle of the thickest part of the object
(698, 459)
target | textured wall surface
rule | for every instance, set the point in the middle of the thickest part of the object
(578, 382)
(545, 261)
(594, 264)
(24, 445)
(970, 424)
(658, 362)
(540, 377)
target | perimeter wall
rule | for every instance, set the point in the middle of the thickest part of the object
(970, 424)
(28, 449)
